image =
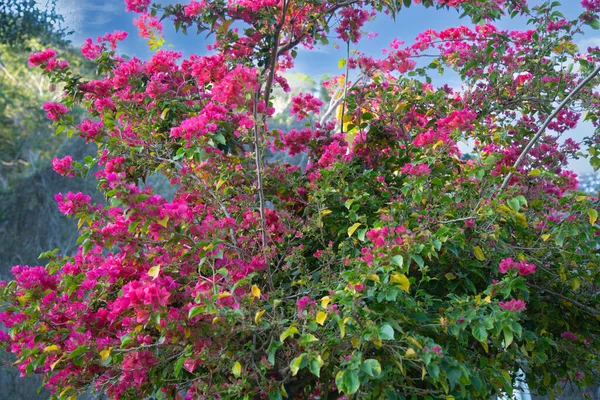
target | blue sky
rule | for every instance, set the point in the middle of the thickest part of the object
(92, 18)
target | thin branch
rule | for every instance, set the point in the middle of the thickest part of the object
(581, 306)
(539, 133)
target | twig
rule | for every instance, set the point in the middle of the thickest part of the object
(582, 306)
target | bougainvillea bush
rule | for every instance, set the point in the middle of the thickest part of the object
(393, 266)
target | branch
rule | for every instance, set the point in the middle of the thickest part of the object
(539, 133)
(582, 306)
(336, 103)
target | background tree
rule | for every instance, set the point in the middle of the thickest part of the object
(23, 20)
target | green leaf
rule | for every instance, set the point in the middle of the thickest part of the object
(342, 63)
(371, 367)
(480, 333)
(295, 365)
(195, 311)
(306, 339)
(79, 350)
(594, 23)
(398, 260)
(273, 347)
(508, 335)
(178, 365)
(347, 381)
(315, 366)
(386, 332)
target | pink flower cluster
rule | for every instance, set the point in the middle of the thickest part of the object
(72, 202)
(296, 141)
(90, 50)
(55, 110)
(304, 302)
(522, 267)
(513, 305)
(303, 104)
(194, 8)
(138, 6)
(352, 20)
(569, 335)
(148, 26)
(377, 236)
(416, 170)
(112, 38)
(37, 59)
(90, 129)
(64, 166)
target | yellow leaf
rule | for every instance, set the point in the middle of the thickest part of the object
(375, 278)
(415, 342)
(104, 354)
(288, 332)
(325, 301)
(80, 222)
(593, 214)
(22, 300)
(521, 219)
(353, 228)
(154, 271)
(55, 363)
(237, 369)
(545, 237)
(255, 291)
(355, 342)
(488, 299)
(187, 331)
(321, 317)
(485, 347)
(223, 294)
(535, 172)
(215, 320)
(450, 276)
(325, 212)
(258, 315)
(163, 222)
(401, 280)
(138, 328)
(478, 253)
(410, 352)
(50, 348)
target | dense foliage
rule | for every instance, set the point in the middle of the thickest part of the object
(389, 267)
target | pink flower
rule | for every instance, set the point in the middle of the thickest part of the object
(303, 104)
(63, 166)
(513, 305)
(91, 50)
(148, 26)
(303, 303)
(194, 8)
(41, 57)
(55, 110)
(112, 38)
(521, 267)
(90, 129)
(569, 335)
(138, 6)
